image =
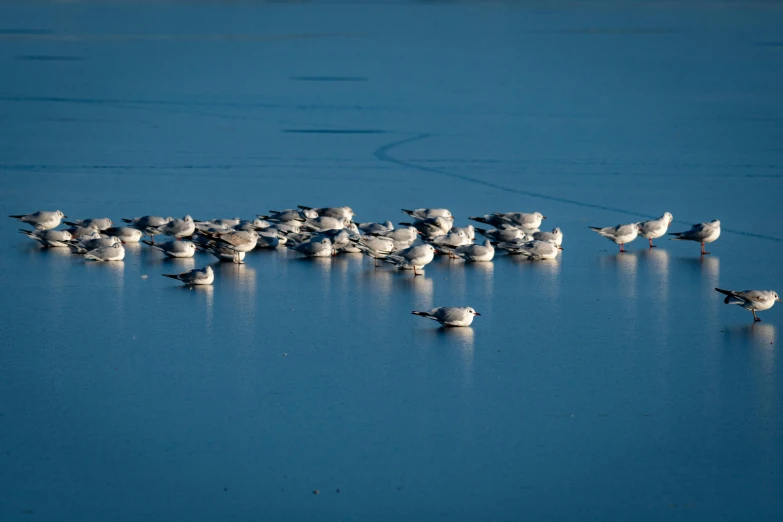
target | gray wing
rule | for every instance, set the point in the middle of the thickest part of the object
(698, 232)
(448, 314)
(754, 296)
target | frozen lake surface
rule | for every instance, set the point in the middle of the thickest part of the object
(596, 387)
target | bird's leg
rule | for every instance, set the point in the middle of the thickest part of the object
(705, 253)
(755, 319)
(376, 262)
(622, 247)
(414, 271)
(651, 245)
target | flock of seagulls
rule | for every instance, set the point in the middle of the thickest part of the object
(329, 231)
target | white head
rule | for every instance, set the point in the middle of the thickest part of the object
(539, 215)
(208, 270)
(471, 311)
(60, 214)
(190, 246)
(557, 232)
(775, 296)
(389, 225)
(67, 235)
(309, 213)
(187, 219)
(668, 217)
(715, 223)
(115, 240)
(488, 243)
(429, 247)
(325, 241)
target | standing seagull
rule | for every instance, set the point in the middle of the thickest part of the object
(197, 276)
(702, 232)
(412, 258)
(42, 220)
(621, 234)
(753, 300)
(655, 228)
(450, 315)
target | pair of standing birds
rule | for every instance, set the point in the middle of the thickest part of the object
(655, 228)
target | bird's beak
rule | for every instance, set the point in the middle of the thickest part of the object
(543, 217)
(476, 313)
(560, 248)
(65, 217)
(778, 300)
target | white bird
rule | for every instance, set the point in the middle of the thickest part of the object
(469, 231)
(450, 241)
(655, 228)
(432, 227)
(322, 223)
(412, 258)
(402, 235)
(42, 220)
(197, 276)
(474, 253)
(753, 300)
(238, 241)
(148, 224)
(82, 246)
(535, 250)
(702, 232)
(427, 213)
(90, 232)
(376, 247)
(107, 253)
(621, 234)
(523, 220)
(49, 238)
(320, 248)
(178, 228)
(125, 234)
(450, 315)
(556, 236)
(345, 213)
(505, 234)
(221, 252)
(375, 228)
(177, 249)
(280, 216)
(100, 223)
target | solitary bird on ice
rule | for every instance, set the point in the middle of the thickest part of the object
(450, 315)
(753, 300)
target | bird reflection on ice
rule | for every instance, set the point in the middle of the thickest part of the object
(421, 287)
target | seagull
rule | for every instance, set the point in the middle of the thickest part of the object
(702, 232)
(376, 247)
(323, 223)
(280, 216)
(125, 234)
(450, 315)
(49, 238)
(148, 224)
(621, 234)
(220, 251)
(42, 220)
(90, 232)
(345, 213)
(412, 258)
(320, 248)
(197, 276)
(427, 213)
(375, 228)
(177, 249)
(535, 250)
(432, 227)
(655, 228)
(514, 219)
(401, 235)
(100, 223)
(469, 231)
(107, 253)
(82, 246)
(178, 228)
(450, 241)
(556, 235)
(753, 300)
(504, 234)
(238, 240)
(474, 253)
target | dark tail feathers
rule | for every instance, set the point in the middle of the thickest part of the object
(20, 216)
(423, 314)
(173, 276)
